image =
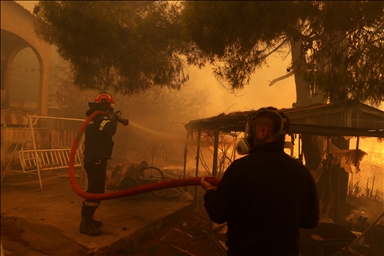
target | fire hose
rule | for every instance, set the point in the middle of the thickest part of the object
(131, 191)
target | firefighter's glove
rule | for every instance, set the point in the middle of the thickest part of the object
(112, 116)
(124, 121)
(118, 114)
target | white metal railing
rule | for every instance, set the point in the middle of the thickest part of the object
(48, 159)
(34, 160)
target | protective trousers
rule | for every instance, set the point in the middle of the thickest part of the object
(96, 171)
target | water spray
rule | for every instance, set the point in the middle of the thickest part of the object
(153, 133)
(182, 182)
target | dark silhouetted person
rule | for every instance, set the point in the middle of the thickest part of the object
(265, 196)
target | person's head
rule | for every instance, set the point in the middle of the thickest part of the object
(106, 100)
(265, 125)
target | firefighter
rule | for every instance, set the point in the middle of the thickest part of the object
(265, 196)
(98, 149)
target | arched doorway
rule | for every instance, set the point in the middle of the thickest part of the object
(25, 62)
(24, 81)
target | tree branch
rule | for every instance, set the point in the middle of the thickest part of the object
(281, 78)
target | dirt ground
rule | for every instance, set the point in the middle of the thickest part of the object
(186, 236)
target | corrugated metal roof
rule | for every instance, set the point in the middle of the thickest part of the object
(343, 119)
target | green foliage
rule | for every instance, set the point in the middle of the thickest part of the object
(131, 46)
(342, 42)
(345, 59)
(237, 37)
(115, 45)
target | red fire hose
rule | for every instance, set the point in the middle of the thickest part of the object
(128, 192)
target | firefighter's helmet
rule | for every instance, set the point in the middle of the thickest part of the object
(104, 97)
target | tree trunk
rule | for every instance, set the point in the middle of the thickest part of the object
(333, 181)
(303, 97)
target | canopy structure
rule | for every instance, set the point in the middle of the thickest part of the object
(343, 119)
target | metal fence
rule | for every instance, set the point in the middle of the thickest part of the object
(368, 182)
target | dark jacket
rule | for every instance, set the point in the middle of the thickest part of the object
(98, 136)
(265, 197)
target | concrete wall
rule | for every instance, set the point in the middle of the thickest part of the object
(17, 33)
(17, 26)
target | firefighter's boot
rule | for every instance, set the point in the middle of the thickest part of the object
(96, 223)
(88, 225)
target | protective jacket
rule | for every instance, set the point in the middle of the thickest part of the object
(98, 136)
(265, 197)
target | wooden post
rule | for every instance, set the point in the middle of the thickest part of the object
(197, 162)
(215, 151)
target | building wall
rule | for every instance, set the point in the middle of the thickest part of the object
(17, 33)
(19, 22)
